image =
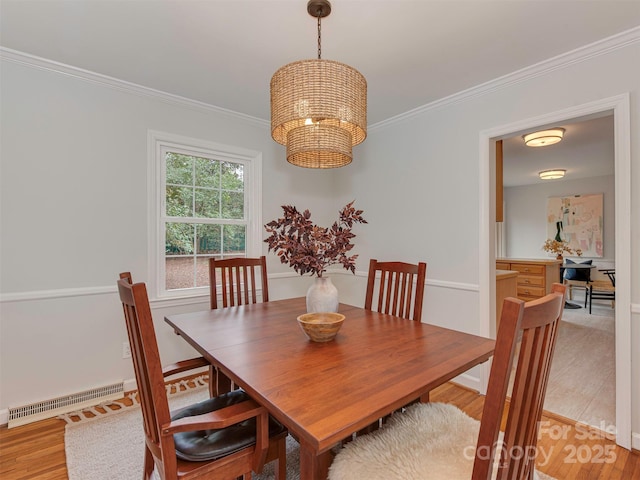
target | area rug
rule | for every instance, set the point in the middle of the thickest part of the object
(428, 440)
(112, 445)
(583, 374)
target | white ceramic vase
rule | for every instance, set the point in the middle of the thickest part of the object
(322, 296)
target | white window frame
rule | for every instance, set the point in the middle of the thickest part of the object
(158, 144)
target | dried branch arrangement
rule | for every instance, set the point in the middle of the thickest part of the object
(309, 248)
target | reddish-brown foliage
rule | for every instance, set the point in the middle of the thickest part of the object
(309, 248)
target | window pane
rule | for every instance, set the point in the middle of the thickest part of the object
(202, 271)
(179, 201)
(234, 239)
(207, 172)
(209, 240)
(232, 176)
(179, 262)
(179, 239)
(179, 272)
(233, 205)
(179, 169)
(207, 203)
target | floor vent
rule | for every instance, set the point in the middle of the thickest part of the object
(56, 406)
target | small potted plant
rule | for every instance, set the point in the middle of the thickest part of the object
(309, 248)
(559, 247)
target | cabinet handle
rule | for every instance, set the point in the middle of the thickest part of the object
(526, 269)
(527, 281)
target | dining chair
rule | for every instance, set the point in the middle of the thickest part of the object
(227, 436)
(390, 287)
(439, 441)
(576, 277)
(602, 289)
(182, 365)
(234, 279)
(395, 293)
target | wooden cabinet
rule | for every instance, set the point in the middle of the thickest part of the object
(535, 276)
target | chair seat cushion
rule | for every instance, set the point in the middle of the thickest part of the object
(582, 274)
(205, 445)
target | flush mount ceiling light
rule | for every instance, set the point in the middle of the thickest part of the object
(552, 174)
(543, 137)
(318, 107)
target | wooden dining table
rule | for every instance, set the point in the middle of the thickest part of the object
(324, 392)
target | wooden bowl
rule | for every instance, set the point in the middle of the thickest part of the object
(321, 326)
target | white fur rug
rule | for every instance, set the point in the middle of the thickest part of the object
(415, 445)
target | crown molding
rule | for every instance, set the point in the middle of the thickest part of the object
(580, 54)
(121, 85)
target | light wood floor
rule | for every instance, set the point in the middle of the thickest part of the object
(36, 451)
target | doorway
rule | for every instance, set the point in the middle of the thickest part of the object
(582, 381)
(619, 107)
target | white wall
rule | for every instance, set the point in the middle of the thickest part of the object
(526, 214)
(74, 215)
(416, 177)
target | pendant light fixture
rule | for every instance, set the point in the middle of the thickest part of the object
(318, 107)
(543, 137)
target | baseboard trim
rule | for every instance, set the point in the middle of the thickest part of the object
(129, 386)
(468, 381)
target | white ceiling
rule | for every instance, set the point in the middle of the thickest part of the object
(224, 52)
(586, 150)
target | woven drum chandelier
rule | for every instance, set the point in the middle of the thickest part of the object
(318, 107)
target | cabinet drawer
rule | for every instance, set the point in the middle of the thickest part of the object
(528, 269)
(503, 266)
(527, 298)
(530, 281)
(524, 291)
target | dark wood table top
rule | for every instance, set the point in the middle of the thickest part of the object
(323, 392)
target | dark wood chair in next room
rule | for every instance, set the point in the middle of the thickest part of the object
(235, 280)
(439, 441)
(395, 293)
(602, 289)
(227, 436)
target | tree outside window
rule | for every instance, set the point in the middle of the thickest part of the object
(204, 216)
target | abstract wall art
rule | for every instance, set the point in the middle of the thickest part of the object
(578, 220)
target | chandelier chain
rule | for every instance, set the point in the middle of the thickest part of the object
(319, 38)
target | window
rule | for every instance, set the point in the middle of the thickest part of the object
(205, 203)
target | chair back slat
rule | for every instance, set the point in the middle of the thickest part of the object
(534, 325)
(146, 359)
(395, 291)
(237, 281)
